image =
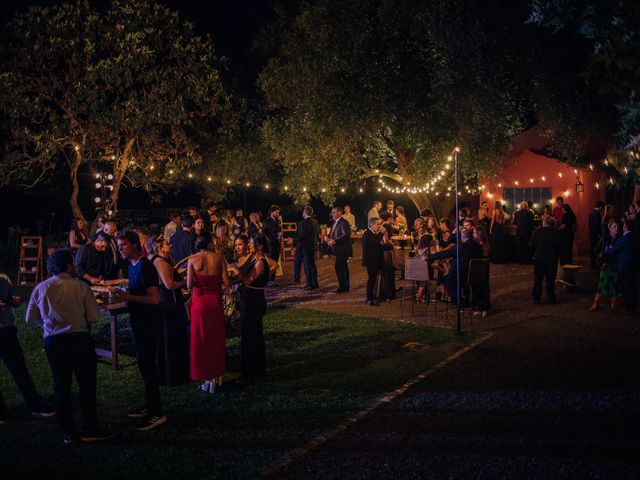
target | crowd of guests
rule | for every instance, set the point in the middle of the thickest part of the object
(226, 261)
(216, 257)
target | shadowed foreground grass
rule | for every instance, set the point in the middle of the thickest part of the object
(321, 368)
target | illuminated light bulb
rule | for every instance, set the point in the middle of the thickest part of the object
(516, 183)
(342, 190)
(590, 166)
(442, 172)
(98, 185)
(457, 149)
(379, 189)
(191, 175)
(77, 148)
(286, 188)
(97, 199)
(560, 174)
(113, 157)
(447, 166)
(247, 184)
(449, 158)
(606, 161)
(97, 175)
(566, 193)
(575, 170)
(110, 177)
(151, 167)
(266, 185)
(110, 187)
(324, 190)
(543, 178)
(597, 185)
(360, 190)
(459, 193)
(448, 194)
(110, 212)
(208, 179)
(531, 180)
(171, 172)
(499, 185)
(377, 171)
(304, 189)
(490, 195)
(626, 170)
(228, 182)
(611, 180)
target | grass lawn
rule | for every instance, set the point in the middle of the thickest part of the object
(321, 368)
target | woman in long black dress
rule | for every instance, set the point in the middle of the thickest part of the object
(254, 274)
(173, 358)
(498, 239)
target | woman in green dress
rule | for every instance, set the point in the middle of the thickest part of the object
(608, 284)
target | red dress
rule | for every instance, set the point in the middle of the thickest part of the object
(208, 336)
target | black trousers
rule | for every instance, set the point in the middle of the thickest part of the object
(252, 349)
(542, 269)
(310, 268)
(147, 334)
(389, 273)
(297, 264)
(13, 357)
(524, 252)
(342, 271)
(70, 354)
(627, 282)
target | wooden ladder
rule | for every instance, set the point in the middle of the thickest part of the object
(30, 270)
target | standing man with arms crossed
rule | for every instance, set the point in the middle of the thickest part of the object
(546, 243)
(340, 243)
(307, 241)
(272, 229)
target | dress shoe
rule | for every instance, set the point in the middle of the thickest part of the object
(371, 303)
(341, 290)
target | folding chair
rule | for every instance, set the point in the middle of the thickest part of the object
(415, 270)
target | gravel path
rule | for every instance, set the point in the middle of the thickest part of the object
(554, 393)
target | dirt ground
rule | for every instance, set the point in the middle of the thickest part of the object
(553, 393)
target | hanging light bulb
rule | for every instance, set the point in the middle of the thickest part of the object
(286, 188)
(97, 199)
(208, 179)
(97, 175)
(266, 185)
(190, 175)
(98, 185)
(171, 172)
(110, 177)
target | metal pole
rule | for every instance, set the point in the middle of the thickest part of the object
(458, 235)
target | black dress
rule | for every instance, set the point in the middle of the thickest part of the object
(173, 355)
(253, 308)
(498, 243)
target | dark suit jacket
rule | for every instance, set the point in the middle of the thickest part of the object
(595, 228)
(270, 229)
(624, 249)
(546, 243)
(341, 233)
(524, 222)
(307, 234)
(372, 249)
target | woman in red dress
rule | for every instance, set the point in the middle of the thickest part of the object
(206, 273)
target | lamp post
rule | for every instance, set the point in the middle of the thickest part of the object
(458, 239)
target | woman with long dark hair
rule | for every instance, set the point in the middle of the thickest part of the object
(173, 361)
(206, 274)
(254, 276)
(78, 234)
(498, 239)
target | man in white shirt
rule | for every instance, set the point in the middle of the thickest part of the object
(349, 217)
(64, 307)
(375, 210)
(171, 227)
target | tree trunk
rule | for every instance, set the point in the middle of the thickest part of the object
(120, 167)
(440, 206)
(74, 166)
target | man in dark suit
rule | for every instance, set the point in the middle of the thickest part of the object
(595, 231)
(272, 229)
(183, 240)
(340, 244)
(306, 242)
(626, 274)
(546, 243)
(523, 220)
(373, 246)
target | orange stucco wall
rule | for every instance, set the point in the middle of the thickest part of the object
(560, 177)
